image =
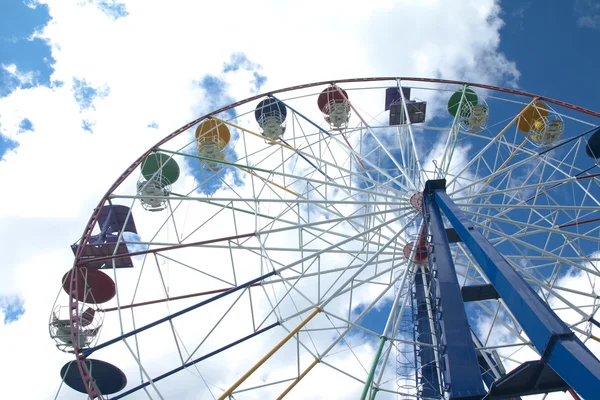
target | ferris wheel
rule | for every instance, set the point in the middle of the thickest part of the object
(389, 238)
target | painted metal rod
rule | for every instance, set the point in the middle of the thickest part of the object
(558, 184)
(362, 314)
(454, 130)
(185, 296)
(369, 381)
(213, 200)
(569, 179)
(337, 88)
(516, 118)
(202, 158)
(411, 135)
(89, 351)
(87, 232)
(552, 338)
(312, 123)
(340, 290)
(271, 182)
(388, 324)
(252, 133)
(508, 159)
(506, 128)
(284, 144)
(298, 379)
(322, 131)
(205, 200)
(596, 338)
(197, 360)
(246, 235)
(578, 223)
(304, 178)
(237, 383)
(384, 148)
(174, 247)
(355, 156)
(310, 162)
(491, 143)
(595, 129)
(579, 178)
(573, 394)
(303, 116)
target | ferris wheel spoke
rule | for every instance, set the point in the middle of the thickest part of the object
(540, 186)
(344, 289)
(313, 181)
(543, 252)
(417, 159)
(521, 188)
(197, 360)
(225, 314)
(534, 209)
(378, 170)
(448, 150)
(353, 324)
(246, 235)
(502, 207)
(166, 294)
(341, 290)
(494, 173)
(142, 369)
(323, 272)
(507, 322)
(313, 215)
(381, 172)
(487, 146)
(349, 149)
(533, 229)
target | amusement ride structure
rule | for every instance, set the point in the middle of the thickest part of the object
(389, 238)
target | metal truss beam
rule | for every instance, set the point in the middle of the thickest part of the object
(462, 373)
(552, 338)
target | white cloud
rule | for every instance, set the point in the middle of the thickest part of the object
(23, 78)
(152, 61)
(588, 14)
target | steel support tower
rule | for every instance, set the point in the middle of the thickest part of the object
(565, 363)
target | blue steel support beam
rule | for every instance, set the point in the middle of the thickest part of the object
(462, 373)
(429, 374)
(552, 338)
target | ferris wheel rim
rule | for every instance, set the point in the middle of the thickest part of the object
(93, 220)
(135, 164)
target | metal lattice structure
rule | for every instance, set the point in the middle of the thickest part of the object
(406, 238)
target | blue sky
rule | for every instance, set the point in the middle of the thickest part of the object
(216, 89)
(553, 47)
(17, 47)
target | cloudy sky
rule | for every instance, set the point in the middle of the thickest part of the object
(87, 86)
